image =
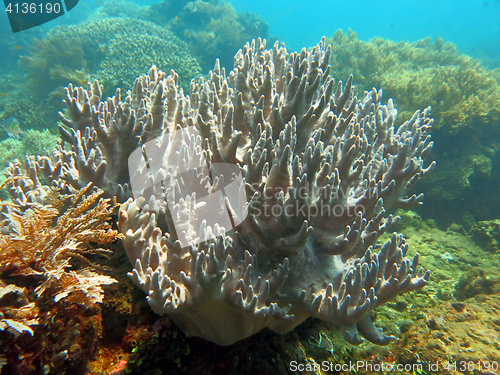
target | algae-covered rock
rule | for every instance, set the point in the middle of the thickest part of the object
(476, 282)
(487, 234)
(454, 339)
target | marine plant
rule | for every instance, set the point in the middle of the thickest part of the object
(32, 244)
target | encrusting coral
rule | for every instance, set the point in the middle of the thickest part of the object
(259, 197)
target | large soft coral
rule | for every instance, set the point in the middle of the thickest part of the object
(261, 202)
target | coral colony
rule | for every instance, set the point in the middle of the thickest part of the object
(258, 198)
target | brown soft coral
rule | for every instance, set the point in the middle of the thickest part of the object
(42, 240)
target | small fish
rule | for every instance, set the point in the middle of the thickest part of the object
(3, 94)
(11, 127)
(18, 47)
(322, 342)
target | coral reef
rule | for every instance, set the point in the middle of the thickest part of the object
(461, 92)
(124, 59)
(104, 48)
(212, 29)
(13, 45)
(52, 62)
(33, 142)
(298, 139)
(300, 142)
(102, 136)
(119, 8)
(468, 172)
(465, 97)
(32, 113)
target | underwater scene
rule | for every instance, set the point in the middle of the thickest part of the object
(249, 187)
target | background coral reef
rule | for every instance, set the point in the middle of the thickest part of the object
(113, 49)
(106, 47)
(212, 29)
(465, 100)
(32, 142)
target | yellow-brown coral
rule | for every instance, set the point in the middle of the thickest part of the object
(49, 285)
(43, 240)
(17, 319)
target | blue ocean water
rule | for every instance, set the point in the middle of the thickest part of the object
(474, 26)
